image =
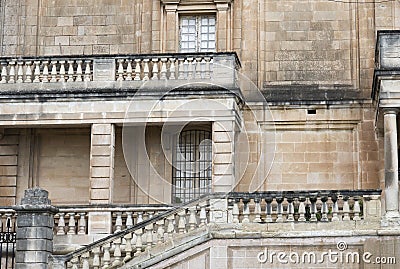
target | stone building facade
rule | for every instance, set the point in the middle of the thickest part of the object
(107, 104)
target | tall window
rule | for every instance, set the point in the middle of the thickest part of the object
(197, 33)
(192, 165)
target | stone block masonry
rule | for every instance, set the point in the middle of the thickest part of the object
(34, 230)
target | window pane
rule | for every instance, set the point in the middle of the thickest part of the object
(196, 179)
(198, 32)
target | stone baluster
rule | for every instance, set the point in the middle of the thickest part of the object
(207, 71)
(203, 214)
(96, 258)
(117, 254)
(163, 73)
(190, 68)
(85, 260)
(279, 216)
(246, 210)
(192, 218)
(150, 214)
(75, 263)
(120, 70)
(155, 68)
(335, 208)
(71, 223)
(128, 247)
(70, 71)
(106, 259)
(324, 208)
(160, 230)
(28, 72)
(139, 243)
(36, 72)
(79, 72)
(181, 68)
(356, 209)
(137, 70)
(346, 208)
(182, 221)
(172, 69)
(235, 210)
(45, 75)
(118, 222)
(62, 71)
(12, 72)
(53, 71)
(88, 72)
(171, 226)
(139, 217)
(313, 208)
(257, 210)
(302, 209)
(82, 223)
(198, 68)
(268, 209)
(20, 72)
(129, 70)
(3, 72)
(61, 224)
(129, 219)
(290, 209)
(146, 69)
(149, 235)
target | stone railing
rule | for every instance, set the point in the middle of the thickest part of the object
(239, 208)
(122, 246)
(140, 67)
(73, 220)
(304, 206)
(7, 214)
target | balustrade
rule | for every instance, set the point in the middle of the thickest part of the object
(32, 70)
(322, 206)
(74, 220)
(69, 69)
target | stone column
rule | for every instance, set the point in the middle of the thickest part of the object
(34, 230)
(391, 165)
(101, 175)
(171, 27)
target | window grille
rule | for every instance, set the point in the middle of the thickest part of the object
(192, 165)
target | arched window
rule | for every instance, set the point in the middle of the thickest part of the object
(192, 168)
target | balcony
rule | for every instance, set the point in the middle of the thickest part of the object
(387, 68)
(153, 71)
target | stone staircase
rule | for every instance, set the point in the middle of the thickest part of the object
(176, 230)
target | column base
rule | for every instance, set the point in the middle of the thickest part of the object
(391, 219)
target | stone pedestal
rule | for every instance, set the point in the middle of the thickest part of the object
(34, 230)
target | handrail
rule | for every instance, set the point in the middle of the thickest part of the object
(138, 226)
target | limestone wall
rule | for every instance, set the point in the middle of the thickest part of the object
(308, 42)
(335, 147)
(8, 166)
(62, 164)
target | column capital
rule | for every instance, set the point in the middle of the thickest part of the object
(223, 1)
(390, 110)
(222, 6)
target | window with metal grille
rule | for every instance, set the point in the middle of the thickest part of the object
(197, 33)
(192, 165)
